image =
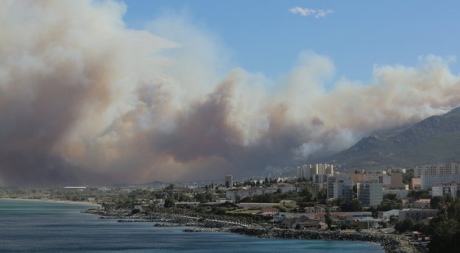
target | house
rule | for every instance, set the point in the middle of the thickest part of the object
(292, 219)
(385, 216)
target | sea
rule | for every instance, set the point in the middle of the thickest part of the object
(37, 226)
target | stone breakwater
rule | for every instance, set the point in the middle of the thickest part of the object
(390, 243)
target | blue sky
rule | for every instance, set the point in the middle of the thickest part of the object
(265, 36)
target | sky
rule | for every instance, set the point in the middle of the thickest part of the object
(356, 35)
(103, 92)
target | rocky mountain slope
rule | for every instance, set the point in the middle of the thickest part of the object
(433, 140)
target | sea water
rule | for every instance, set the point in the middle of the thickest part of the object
(33, 226)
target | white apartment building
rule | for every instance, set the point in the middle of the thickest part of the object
(340, 186)
(323, 169)
(431, 175)
(304, 171)
(443, 189)
(375, 176)
(437, 170)
(429, 181)
(316, 171)
(370, 194)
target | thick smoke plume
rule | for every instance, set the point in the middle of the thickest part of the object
(85, 100)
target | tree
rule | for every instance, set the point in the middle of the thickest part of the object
(339, 201)
(169, 202)
(406, 224)
(322, 196)
(353, 206)
(421, 194)
(407, 177)
(327, 218)
(308, 194)
(390, 196)
(445, 236)
(436, 202)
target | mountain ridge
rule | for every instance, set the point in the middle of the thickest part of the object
(435, 139)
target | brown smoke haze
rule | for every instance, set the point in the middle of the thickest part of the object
(85, 100)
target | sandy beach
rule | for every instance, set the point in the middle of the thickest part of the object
(55, 201)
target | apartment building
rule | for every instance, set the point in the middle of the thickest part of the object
(309, 171)
(370, 194)
(340, 186)
(443, 189)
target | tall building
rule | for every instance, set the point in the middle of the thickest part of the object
(428, 181)
(340, 186)
(447, 169)
(370, 194)
(397, 179)
(431, 175)
(323, 169)
(304, 171)
(317, 172)
(229, 181)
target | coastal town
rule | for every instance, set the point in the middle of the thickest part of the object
(318, 202)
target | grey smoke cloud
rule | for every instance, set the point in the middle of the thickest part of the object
(84, 100)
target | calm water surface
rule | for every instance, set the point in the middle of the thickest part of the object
(28, 226)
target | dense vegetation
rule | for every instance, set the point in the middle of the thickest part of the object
(445, 227)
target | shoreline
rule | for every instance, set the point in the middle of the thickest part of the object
(389, 243)
(55, 201)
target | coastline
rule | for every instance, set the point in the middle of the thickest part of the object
(389, 243)
(87, 203)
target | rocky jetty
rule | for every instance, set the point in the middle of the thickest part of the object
(168, 225)
(390, 243)
(135, 220)
(197, 229)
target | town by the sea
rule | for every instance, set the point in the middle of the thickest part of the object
(37, 226)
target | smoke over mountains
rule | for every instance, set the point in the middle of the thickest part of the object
(83, 99)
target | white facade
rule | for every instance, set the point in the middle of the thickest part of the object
(385, 216)
(304, 171)
(323, 169)
(386, 180)
(340, 186)
(428, 181)
(438, 170)
(370, 194)
(375, 177)
(441, 190)
(308, 171)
